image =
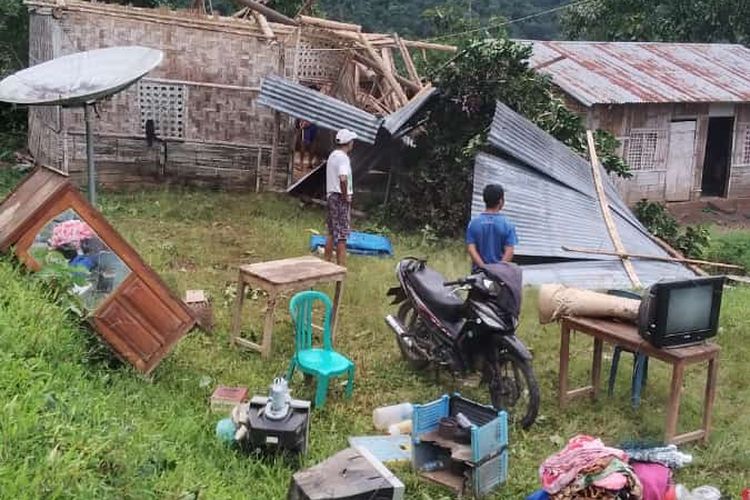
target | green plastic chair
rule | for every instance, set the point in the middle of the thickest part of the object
(321, 363)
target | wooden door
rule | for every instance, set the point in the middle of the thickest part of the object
(680, 161)
(142, 324)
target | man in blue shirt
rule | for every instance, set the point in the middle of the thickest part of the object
(490, 237)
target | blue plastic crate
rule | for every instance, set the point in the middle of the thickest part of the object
(488, 466)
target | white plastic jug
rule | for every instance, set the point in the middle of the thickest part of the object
(385, 416)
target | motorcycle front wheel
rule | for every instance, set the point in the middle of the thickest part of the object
(513, 388)
(408, 317)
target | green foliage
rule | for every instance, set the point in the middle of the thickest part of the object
(60, 279)
(9, 177)
(662, 20)
(435, 187)
(692, 241)
(731, 248)
(13, 56)
(408, 17)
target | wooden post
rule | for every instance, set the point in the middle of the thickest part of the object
(411, 69)
(264, 26)
(564, 362)
(331, 25)
(607, 212)
(673, 407)
(274, 148)
(400, 95)
(271, 14)
(710, 395)
(596, 367)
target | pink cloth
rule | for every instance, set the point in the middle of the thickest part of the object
(582, 451)
(654, 479)
(70, 232)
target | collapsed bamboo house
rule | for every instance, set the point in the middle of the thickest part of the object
(200, 102)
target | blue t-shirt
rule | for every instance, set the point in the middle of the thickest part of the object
(491, 233)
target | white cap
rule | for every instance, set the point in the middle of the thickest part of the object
(345, 136)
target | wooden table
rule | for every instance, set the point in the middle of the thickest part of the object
(627, 337)
(278, 277)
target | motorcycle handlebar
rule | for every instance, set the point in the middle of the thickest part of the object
(465, 281)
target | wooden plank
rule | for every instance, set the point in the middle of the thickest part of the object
(607, 213)
(271, 14)
(673, 406)
(333, 25)
(411, 69)
(651, 257)
(430, 46)
(264, 26)
(390, 78)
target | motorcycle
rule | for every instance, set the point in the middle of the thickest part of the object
(434, 326)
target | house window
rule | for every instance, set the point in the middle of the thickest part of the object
(641, 149)
(744, 143)
(164, 104)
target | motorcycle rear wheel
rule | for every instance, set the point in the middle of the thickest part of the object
(513, 388)
(408, 317)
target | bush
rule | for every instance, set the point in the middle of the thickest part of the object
(693, 241)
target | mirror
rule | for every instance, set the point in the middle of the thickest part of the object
(70, 249)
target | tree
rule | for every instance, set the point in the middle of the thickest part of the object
(13, 57)
(435, 185)
(660, 20)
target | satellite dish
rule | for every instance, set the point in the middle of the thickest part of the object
(81, 79)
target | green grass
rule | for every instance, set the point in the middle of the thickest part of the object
(732, 247)
(76, 424)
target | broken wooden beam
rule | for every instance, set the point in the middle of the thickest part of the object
(372, 65)
(264, 26)
(271, 14)
(430, 46)
(331, 25)
(411, 69)
(658, 258)
(389, 76)
(609, 222)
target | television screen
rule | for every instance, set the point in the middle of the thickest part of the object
(689, 309)
(674, 313)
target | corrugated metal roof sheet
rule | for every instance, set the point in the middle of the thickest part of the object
(396, 121)
(327, 112)
(645, 72)
(550, 196)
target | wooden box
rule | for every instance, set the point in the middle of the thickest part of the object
(45, 219)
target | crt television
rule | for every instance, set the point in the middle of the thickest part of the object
(674, 313)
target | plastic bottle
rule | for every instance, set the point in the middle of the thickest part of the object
(386, 416)
(403, 427)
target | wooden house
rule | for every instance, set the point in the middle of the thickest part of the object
(202, 101)
(680, 111)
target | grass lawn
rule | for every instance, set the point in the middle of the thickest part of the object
(76, 424)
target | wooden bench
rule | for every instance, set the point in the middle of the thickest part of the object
(278, 277)
(626, 336)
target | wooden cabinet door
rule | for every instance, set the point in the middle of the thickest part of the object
(141, 324)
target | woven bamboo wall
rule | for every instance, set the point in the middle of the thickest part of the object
(222, 134)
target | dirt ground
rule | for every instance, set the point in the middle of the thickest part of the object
(722, 212)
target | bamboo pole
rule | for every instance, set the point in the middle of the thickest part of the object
(651, 257)
(607, 213)
(369, 63)
(430, 46)
(390, 78)
(332, 25)
(269, 12)
(264, 26)
(411, 69)
(241, 13)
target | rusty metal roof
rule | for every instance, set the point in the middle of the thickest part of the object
(550, 197)
(645, 72)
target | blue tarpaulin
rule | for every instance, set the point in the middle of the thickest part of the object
(358, 243)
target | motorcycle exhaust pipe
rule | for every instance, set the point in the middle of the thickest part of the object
(398, 328)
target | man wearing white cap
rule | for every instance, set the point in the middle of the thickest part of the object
(339, 190)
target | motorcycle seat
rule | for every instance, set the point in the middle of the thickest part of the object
(428, 284)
